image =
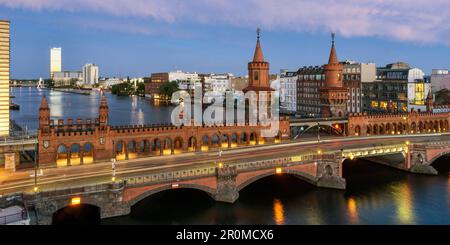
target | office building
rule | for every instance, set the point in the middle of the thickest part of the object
(397, 88)
(55, 61)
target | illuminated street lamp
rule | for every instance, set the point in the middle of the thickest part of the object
(35, 189)
(113, 167)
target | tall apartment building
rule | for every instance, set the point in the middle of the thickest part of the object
(354, 75)
(288, 92)
(90, 74)
(55, 61)
(4, 77)
(310, 80)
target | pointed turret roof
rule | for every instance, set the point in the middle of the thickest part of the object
(333, 57)
(44, 104)
(103, 102)
(258, 57)
(430, 96)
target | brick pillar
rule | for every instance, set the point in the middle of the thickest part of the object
(11, 158)
(226, 184)
(69, 156)
(149, 145)
(329, 173)
(138, 147)
(81, 156)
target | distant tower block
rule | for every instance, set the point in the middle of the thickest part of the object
(4, 77)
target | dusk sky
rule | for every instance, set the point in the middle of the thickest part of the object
(138, 37)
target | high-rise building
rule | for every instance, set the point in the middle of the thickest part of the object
(55, 61)
(90, 74)
(4, 77)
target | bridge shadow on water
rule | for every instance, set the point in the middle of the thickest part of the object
(83, 214)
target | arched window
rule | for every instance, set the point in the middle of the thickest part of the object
(256, 76)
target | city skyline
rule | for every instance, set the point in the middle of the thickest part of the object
(133, 43)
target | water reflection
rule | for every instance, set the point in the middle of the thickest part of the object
(123, 110)
(404, 203)
(278, 211)
(352, 210)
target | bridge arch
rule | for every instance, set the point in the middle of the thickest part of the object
(210, 191)
(62, 155)
(177, 145)
(333, 129)
(192, 143)
(234, 140)
(244, 138)
(120, 150)
(225, 141)
(205, 142)
(132, 149)
(300, 175)
(157, 146)
(75, 154)
(215, 141)
(88, 153)
(167, 146)
(439, 155)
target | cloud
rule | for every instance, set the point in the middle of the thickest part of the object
(405, 20)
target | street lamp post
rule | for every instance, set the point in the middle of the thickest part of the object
(113, 168)
(318, 132)
(35, 189)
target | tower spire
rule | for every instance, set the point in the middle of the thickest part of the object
(44, 104)
(333, 56)
(258, 57)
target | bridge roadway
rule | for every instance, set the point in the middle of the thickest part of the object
(55, 178)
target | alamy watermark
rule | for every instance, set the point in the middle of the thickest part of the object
(228, 109)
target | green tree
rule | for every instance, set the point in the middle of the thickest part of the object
(122, 89)
(140, 89)
(442, 97)
(168, 88)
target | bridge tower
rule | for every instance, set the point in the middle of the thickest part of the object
(333, 96)
(429, 102)
(44, 115)
(103, 112)
(258, 80)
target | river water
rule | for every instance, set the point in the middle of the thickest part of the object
(375, 194)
